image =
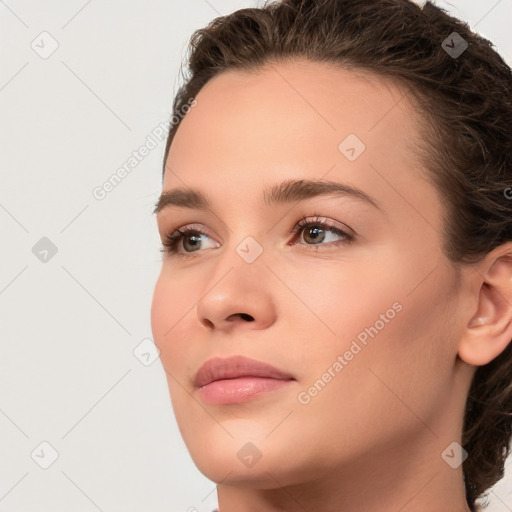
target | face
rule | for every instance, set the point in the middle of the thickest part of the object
(347, 293)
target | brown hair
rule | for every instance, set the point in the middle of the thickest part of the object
(465, 103)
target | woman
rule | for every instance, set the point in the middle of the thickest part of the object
(334, 308)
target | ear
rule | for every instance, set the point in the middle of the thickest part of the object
(489, 331)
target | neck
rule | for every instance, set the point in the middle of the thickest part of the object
(372, 485)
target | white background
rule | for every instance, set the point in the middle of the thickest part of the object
(68, 326)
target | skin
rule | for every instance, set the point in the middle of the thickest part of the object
(382, 423)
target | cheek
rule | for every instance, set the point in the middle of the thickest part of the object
(388, 331)
(171, 305)
(168, 318)
(334, 302)
(162, 313)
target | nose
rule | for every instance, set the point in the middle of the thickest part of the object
(237, 302)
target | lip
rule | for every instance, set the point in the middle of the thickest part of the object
(240, 389)
(233, 367)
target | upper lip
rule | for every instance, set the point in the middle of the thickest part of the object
(236, 366)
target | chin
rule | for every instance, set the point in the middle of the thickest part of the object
(258, 465)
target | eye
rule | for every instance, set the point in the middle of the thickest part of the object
(171, 241)
(314, 229)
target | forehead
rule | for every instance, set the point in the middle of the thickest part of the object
(297, 119)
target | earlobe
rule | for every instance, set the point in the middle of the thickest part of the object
(489, 330)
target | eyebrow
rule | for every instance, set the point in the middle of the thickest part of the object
(285, 192)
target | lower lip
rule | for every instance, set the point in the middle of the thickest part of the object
(234, 391)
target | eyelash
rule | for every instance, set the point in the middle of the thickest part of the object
(171, 241)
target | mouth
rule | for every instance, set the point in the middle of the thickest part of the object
(236, 379)
(241, 389)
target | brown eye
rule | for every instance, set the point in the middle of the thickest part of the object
(314, 232)
(190, 238)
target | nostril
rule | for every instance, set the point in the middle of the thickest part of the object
(208, 323)
(244, 316)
